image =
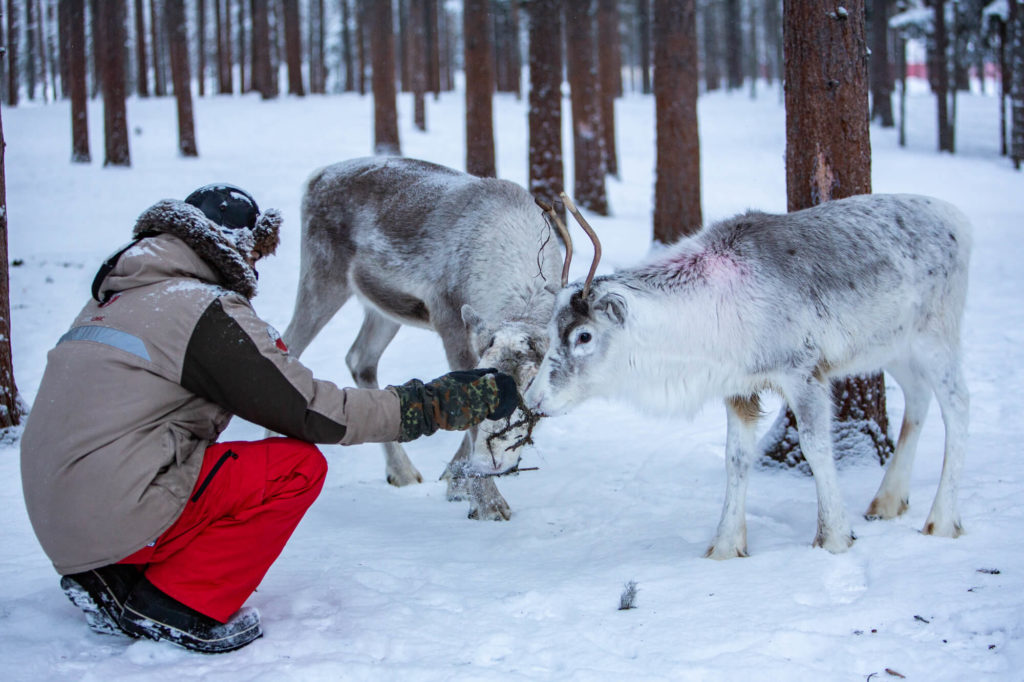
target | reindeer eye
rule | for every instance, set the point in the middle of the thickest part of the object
(584, 337)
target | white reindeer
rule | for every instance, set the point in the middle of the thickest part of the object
(471, 258)
(783, 302)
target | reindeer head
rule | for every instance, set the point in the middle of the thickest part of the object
(587, 320)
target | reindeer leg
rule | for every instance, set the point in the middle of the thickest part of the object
(731, 539)
(946, 378)
(893, 496)
(812, 404)
(485, 501)
(362, 360)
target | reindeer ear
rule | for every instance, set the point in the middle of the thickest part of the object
(474, 322)
(612, 306)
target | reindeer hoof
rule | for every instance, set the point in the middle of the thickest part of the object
(945, 530)
(720, 554)
(404, 478)
(485, 502)
(882, 508)
(837, 543)
(498, 512)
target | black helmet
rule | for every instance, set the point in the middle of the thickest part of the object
(226, 205)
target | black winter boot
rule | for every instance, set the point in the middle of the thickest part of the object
(150, 613)
(101, 593)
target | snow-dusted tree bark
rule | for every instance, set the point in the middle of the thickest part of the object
(587, 135)
(479, 62)
(677, 207)
(608, 64)
(177, 40)
(11, 407)
(827, 91)
(547, 172)
(76, 82)
(109, 26)
(382, 47)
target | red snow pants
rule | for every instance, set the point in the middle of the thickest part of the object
(249, 498)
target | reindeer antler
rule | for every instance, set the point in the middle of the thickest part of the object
(590, 233)
(562, 230)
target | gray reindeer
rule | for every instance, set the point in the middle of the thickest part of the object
(420, 244)
(784, 303)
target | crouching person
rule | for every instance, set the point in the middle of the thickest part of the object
(157, 530)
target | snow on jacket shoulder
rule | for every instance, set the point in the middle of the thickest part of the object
(138, 388)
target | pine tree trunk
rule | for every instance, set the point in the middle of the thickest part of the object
(881, 80)
(826, 91)
(262, 75)
(177, 40)
(293, 46)
(677, 207)
(547, 172)
(712, 46)
(587, 135)
(77, 85)
(608, 68)
(11, 408)
(643, 28)
(13, 34)
(382, 47)
(201, 45)
(110, 23)
(362, 19)
(479, 61)
(1017, 87)
(418, 60)
(733, 44)
(346, 47)
(159, 77)
(939, 74)
(142, 78)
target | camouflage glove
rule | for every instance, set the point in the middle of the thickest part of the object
(454, 401)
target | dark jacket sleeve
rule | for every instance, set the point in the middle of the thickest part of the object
(234, 359)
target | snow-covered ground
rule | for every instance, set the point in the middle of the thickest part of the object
(396, 584)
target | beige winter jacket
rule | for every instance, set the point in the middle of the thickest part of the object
(138, 388)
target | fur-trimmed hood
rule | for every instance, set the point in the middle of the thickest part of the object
(228, 251)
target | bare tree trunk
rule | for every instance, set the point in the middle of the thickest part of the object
(643, 28)
(826, 91)
(881, 79)
(418, 60)
(13, 34)
(346, 47)
(363, 20)
(142, 78)
(588, 138)
(382, 47)
(63, 42)
(110, 42)
(753, 63)
(677, 206)
(433, 49)
(293, 46)
(939, 74)
(30, 49)
(177, 41)
(734, 44)
(1017, 88)
(479, 61)
(712, 45)
(201, 45)
(11, 407)
(77, 86)
(316, 44)
(547, 173)
(225, 58)
(263, 77)
(159, 77)
(608, 68)
(773, 41)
